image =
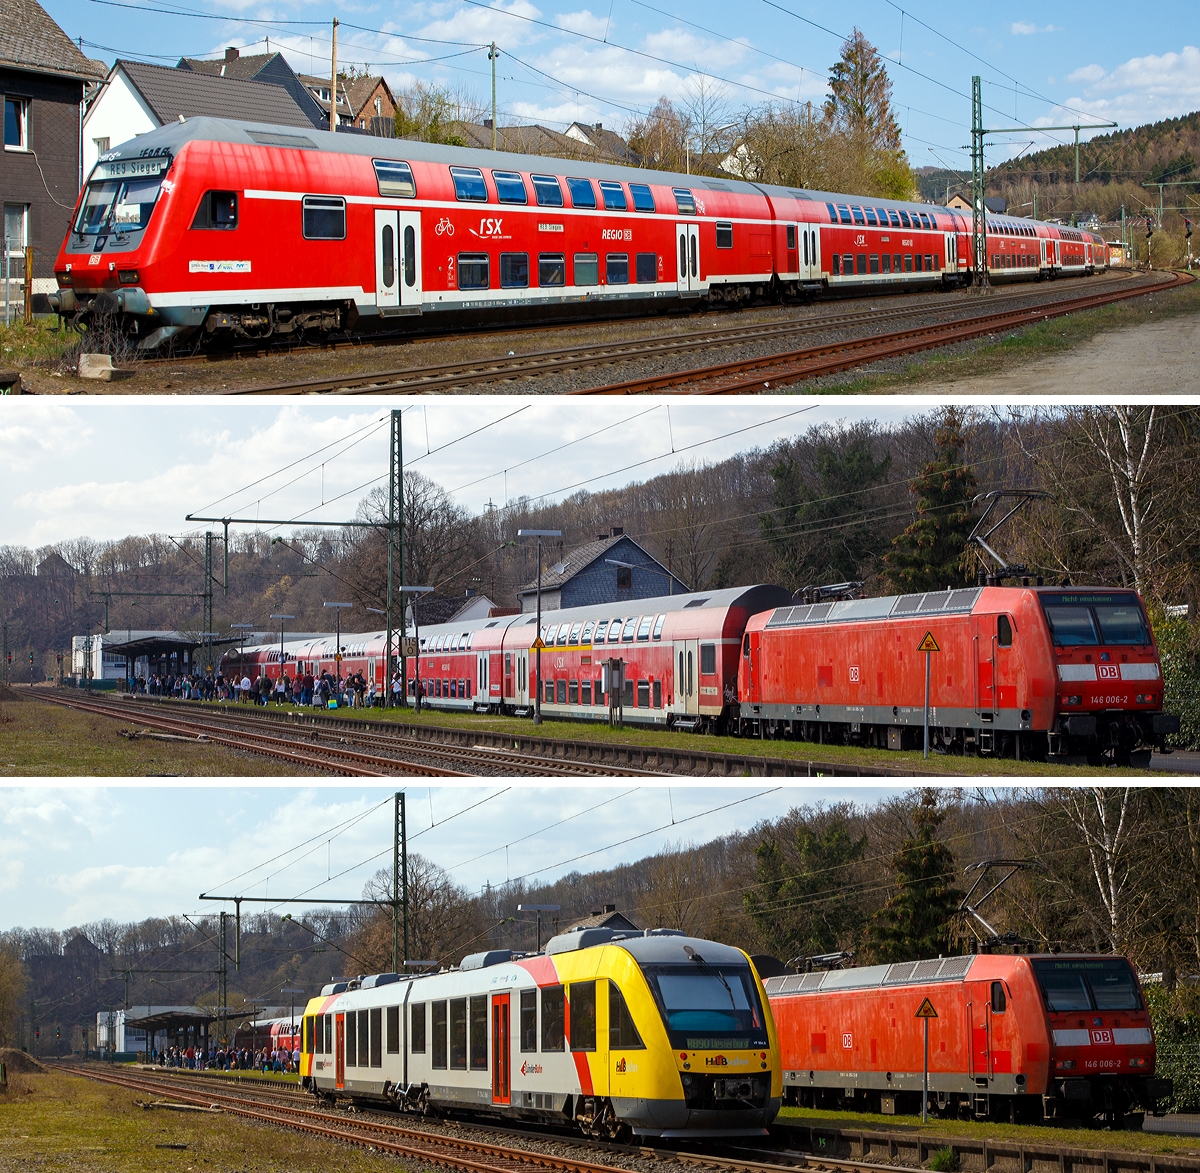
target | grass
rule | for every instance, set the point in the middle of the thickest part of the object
(41, 343)
(1018, 348)
(64, 1121)
(38, 738)
(1079, 1138)
(799, 751)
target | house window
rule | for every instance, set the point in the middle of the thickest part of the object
(624, 578)
(16, 226)
(16, 124)
(378, 107)
(101, 144)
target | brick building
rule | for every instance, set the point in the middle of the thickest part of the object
(42, 75)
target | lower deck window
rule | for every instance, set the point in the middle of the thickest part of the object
(473, 270)
(886, 262)
(860, 264)
(835, 264)
(647, 268)
(616, 269)
(658, 694)
(573, 692)
(514, 270)
(874, 262)
(643, 694)
(587, 269)
(585, 692)
(561, 687)
(552, 269)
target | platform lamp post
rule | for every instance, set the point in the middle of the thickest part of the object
(337, 656)
(414, 590)
(282, 619)
(539, 909)
(649, 569)
(539, 534)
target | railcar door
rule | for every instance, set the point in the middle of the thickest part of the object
(687, 259)
(687, 690)
(978, 1008)
(501, 1050)
(410, 260)
(983, 659)
(792, 240)
(387, 240)
(339, 1049)
(497, 681)
(951, 252)
(814, 254)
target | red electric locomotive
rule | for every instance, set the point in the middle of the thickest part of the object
(1031, 671)
(214, 228)
(1023, 1037)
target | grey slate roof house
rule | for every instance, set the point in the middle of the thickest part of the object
(42, 75)
(585, 577)
(271, 68)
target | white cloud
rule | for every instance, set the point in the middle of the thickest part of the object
(1140, 90)
(1086, 73)
(585, 22)
(1022, 28)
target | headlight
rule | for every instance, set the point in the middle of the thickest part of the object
(1065, 1064)
(128, 276)
(64, 279)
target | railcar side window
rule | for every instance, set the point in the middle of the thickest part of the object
(546, 191)
(441, 1021)
(643, 197)
(601, 630)
(552, 270)
(685, 202)
(393, 1030)
(473, 270)
(307, 1045)
(647, 268)
(643, 631)
(724, 235)
(479, 1041)
(708, 659)
(999, 1001)
(1004, 631)
(622, 1032)
(613, 195)
(583, 195)
(628, 630)
(458, 1034)
(587, 269)
(377, 1037)
(514, 270)
(583, 1016)
(469, 185)
(616, 269)
(552, 1018)
(395, 178)
(328, 1034)
(510, 187)
(351, 1039)
(218, 209)
(418, 1018)
(658, 626)
(528, 1020)
(364, 1039)
(791, 236)
(324, 218)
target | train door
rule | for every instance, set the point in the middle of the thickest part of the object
(983, 654)
(339, 1050)
(497, 681)
(792, 240)
(410, 260)
(687, 259)
(978, 1024)
(951, 252)
(814, 254)
(687, 692)
(501, 1050)
(387, 252)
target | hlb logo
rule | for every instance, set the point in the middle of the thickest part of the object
(621, 1064)
(716, 1061)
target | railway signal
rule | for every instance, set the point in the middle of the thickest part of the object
(928, 645)
(926, 1011)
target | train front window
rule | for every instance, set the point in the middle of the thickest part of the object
(1085, 619)
(708, 1007)
(1121, 623)
(122, 205)
(1087, 984)
(1072, 626)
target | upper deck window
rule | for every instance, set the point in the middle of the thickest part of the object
(685, 202)
(858, 215)
(394, 178)
(583, 195)
(658, 626)
(844, 214)
(468, 184)
(510, 187)
(871, 218)
(614, 196)
(643, 197)
(894, 217)
(547, 191)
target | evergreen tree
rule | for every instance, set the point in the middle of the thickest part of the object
(802, 908)
(860, 96)
(918, 920)
(932, 552)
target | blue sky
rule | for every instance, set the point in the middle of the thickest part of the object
(129, 851)
(605, 61)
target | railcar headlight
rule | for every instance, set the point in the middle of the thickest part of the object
(64, 279)
(1137, 1062)
(687, 1080)
(1074, 700)
(127, 276)
(1065, 1064)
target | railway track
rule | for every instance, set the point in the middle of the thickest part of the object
(781, 370)
(358, 752)
(539, 363)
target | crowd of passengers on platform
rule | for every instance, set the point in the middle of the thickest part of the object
(234, 1059)
(322, 691)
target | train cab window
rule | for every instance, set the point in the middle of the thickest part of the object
(685, 202)
(510, 187)
(871, 220)
(586, 637)
(628, 630)
(643, 197)
(613, 195)
(528, 1021)
(546, 191)
(514, 270)
(474, 270)
(218, 209)
(417, 1018)
(585, 692)
(575, 630)
(552, 1018)
(999, 1001)
(552, 270)
(1121, 623)
(646, 268)
(858, 215)
(643, 631)
(601, 630)
(458, 1034)
(323, 218)
(587, 269)
(583, 1016)
(614, 631)
(351, 1039)
(469, 185)
(583, 195)
(658, 626)
(394, 178)
(573, 692)
(708, 659)
(561, 691)
(616, 269)
(479, 1034)
(376, 1017)
(1004, 631)
(724, 235)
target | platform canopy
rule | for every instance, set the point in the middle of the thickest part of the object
(134, 644)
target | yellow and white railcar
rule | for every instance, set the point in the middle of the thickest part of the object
(653, 1033)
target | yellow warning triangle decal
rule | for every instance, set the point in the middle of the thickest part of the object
(926, 1010)
(537, 643)
(928, 644)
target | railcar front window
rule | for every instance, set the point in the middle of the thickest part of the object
(1122, 624)
(1085, 984)
(708, 1007)
(1072, 626)
(121, 204)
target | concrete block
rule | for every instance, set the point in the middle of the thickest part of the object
(10, 382)
(100, 366)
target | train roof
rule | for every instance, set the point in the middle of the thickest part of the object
(175, 135)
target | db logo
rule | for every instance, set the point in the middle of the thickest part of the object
(1102, 1037)
(848, 1041)
(1108, 671)
(622, 1065)
(854, 674)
